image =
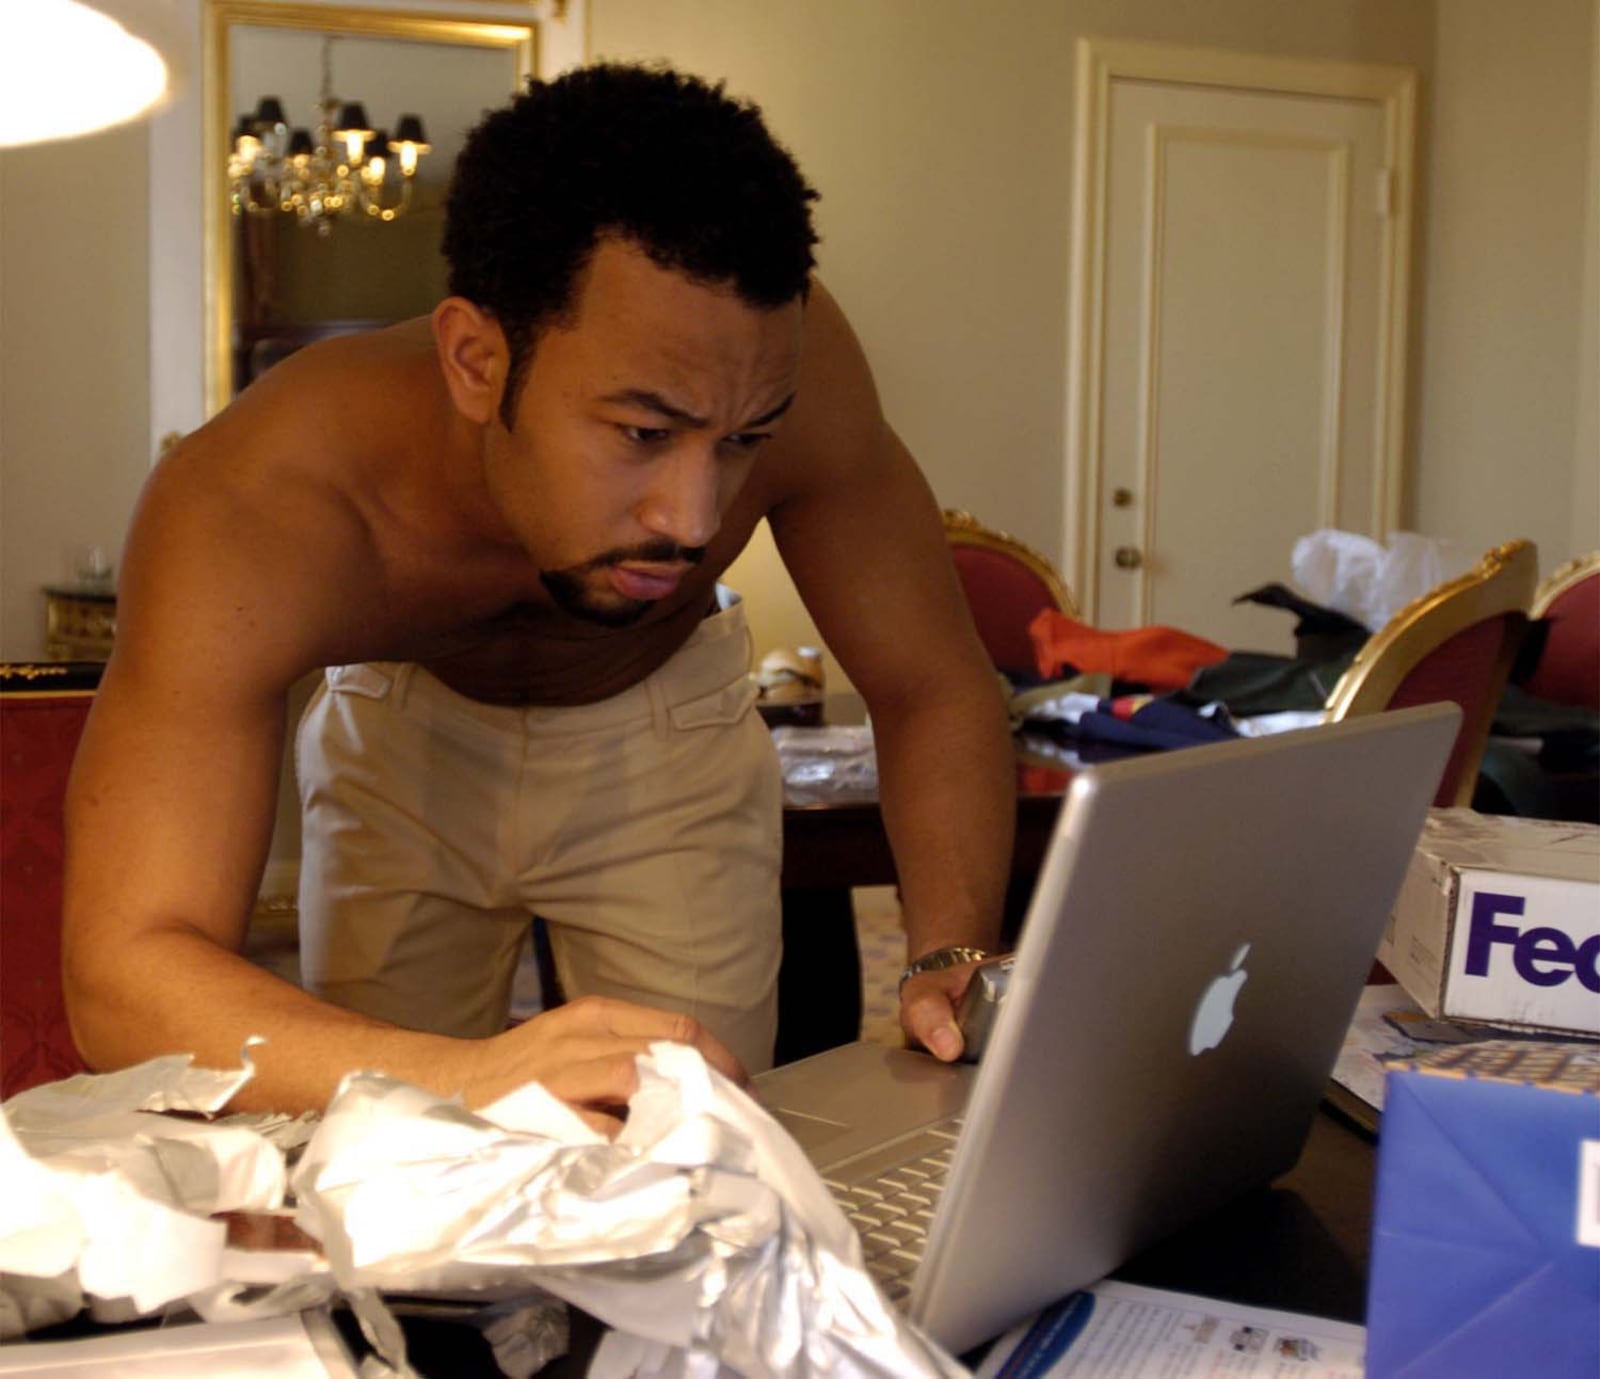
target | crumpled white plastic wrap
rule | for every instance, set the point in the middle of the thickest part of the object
(702, 1234)
(827, 764)
(1367, 580)
(103, 1199)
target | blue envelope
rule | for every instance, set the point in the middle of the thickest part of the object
(1479, 1266)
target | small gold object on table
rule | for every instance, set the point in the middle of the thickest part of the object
(80, 622)
(791, 687)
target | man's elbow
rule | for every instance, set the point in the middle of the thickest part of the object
(109, 1007)
(89, 999)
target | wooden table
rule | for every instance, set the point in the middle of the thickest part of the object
(829, 848)
(1303, 1244)
(844, 844)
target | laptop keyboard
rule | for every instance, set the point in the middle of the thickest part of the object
(890, 1196)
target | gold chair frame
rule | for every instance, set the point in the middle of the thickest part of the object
(1502, 583)
(963, 529)
(1562, 578)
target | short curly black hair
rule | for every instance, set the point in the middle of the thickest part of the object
(643, 153)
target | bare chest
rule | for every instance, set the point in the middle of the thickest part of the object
(529, 656)
(484, 626)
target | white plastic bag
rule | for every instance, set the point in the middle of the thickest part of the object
(1367, 581)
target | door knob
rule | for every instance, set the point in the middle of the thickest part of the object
(1122, 497)
(1128, 557)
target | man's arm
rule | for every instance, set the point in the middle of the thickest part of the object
(169, 818)
(864, 540)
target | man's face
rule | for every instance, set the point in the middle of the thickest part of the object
(637, 425)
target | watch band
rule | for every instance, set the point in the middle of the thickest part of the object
(939, 959)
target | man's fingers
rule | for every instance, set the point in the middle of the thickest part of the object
(718, 1056)
(585, 1053)
(598, 1078)
(601, 1014)
(928, 1015)
(600, 1122)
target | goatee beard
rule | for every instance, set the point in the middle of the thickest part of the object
(573, 598)
(572, 595)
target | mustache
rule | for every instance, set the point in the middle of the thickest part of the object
(659, 552)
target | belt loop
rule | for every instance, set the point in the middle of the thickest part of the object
(660, 717)
(402, 683)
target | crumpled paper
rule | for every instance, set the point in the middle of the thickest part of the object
(1367, 580)
(104, 1199)
(702, 1234)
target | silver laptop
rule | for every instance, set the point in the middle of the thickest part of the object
(1195, 948)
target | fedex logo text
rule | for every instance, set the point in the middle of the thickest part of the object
(1542, 956)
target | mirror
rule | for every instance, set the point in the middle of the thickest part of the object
(276, 281)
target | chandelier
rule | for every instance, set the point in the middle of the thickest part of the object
(343, 168)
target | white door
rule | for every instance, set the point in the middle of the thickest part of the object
(1248, 345)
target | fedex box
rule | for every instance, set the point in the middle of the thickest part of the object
(1486, 1226)
(1498, 921)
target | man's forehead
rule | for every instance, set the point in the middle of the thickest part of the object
(643, 328)
(621, 278)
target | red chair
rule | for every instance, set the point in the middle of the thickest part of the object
(1456, 643)
(42, 713)
(1568, 669)
(1007, 583)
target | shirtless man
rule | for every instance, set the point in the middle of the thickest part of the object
(501, 529)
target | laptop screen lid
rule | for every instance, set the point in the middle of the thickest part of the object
(1193, 954)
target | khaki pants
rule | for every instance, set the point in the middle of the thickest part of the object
(647, 829)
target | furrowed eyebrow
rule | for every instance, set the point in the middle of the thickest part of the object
(654, 402)
(766, 418)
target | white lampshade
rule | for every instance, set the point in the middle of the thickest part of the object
(70, 67)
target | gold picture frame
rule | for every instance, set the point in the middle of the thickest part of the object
(220, 18)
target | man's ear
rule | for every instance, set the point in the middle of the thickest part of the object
(474, 356)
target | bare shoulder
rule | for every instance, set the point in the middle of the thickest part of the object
(247, 543)
(834, 359)
(220, 568)
(836, 426)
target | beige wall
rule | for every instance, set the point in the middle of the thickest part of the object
(1500, 390)
(1585, 534)
(939, 131)
(74, 363)
(940, 134)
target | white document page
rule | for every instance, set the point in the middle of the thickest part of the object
(1122, 1331)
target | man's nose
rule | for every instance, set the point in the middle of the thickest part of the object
(683, 503)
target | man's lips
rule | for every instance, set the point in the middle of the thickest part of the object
(646, 582)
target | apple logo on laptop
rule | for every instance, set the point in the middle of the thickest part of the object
(1213, 1017)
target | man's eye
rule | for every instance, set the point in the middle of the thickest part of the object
(747, 440)
(646, 435)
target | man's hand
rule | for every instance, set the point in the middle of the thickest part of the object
(928, 1003)
(584, 1052)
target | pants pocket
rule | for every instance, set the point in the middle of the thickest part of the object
(719, 708)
